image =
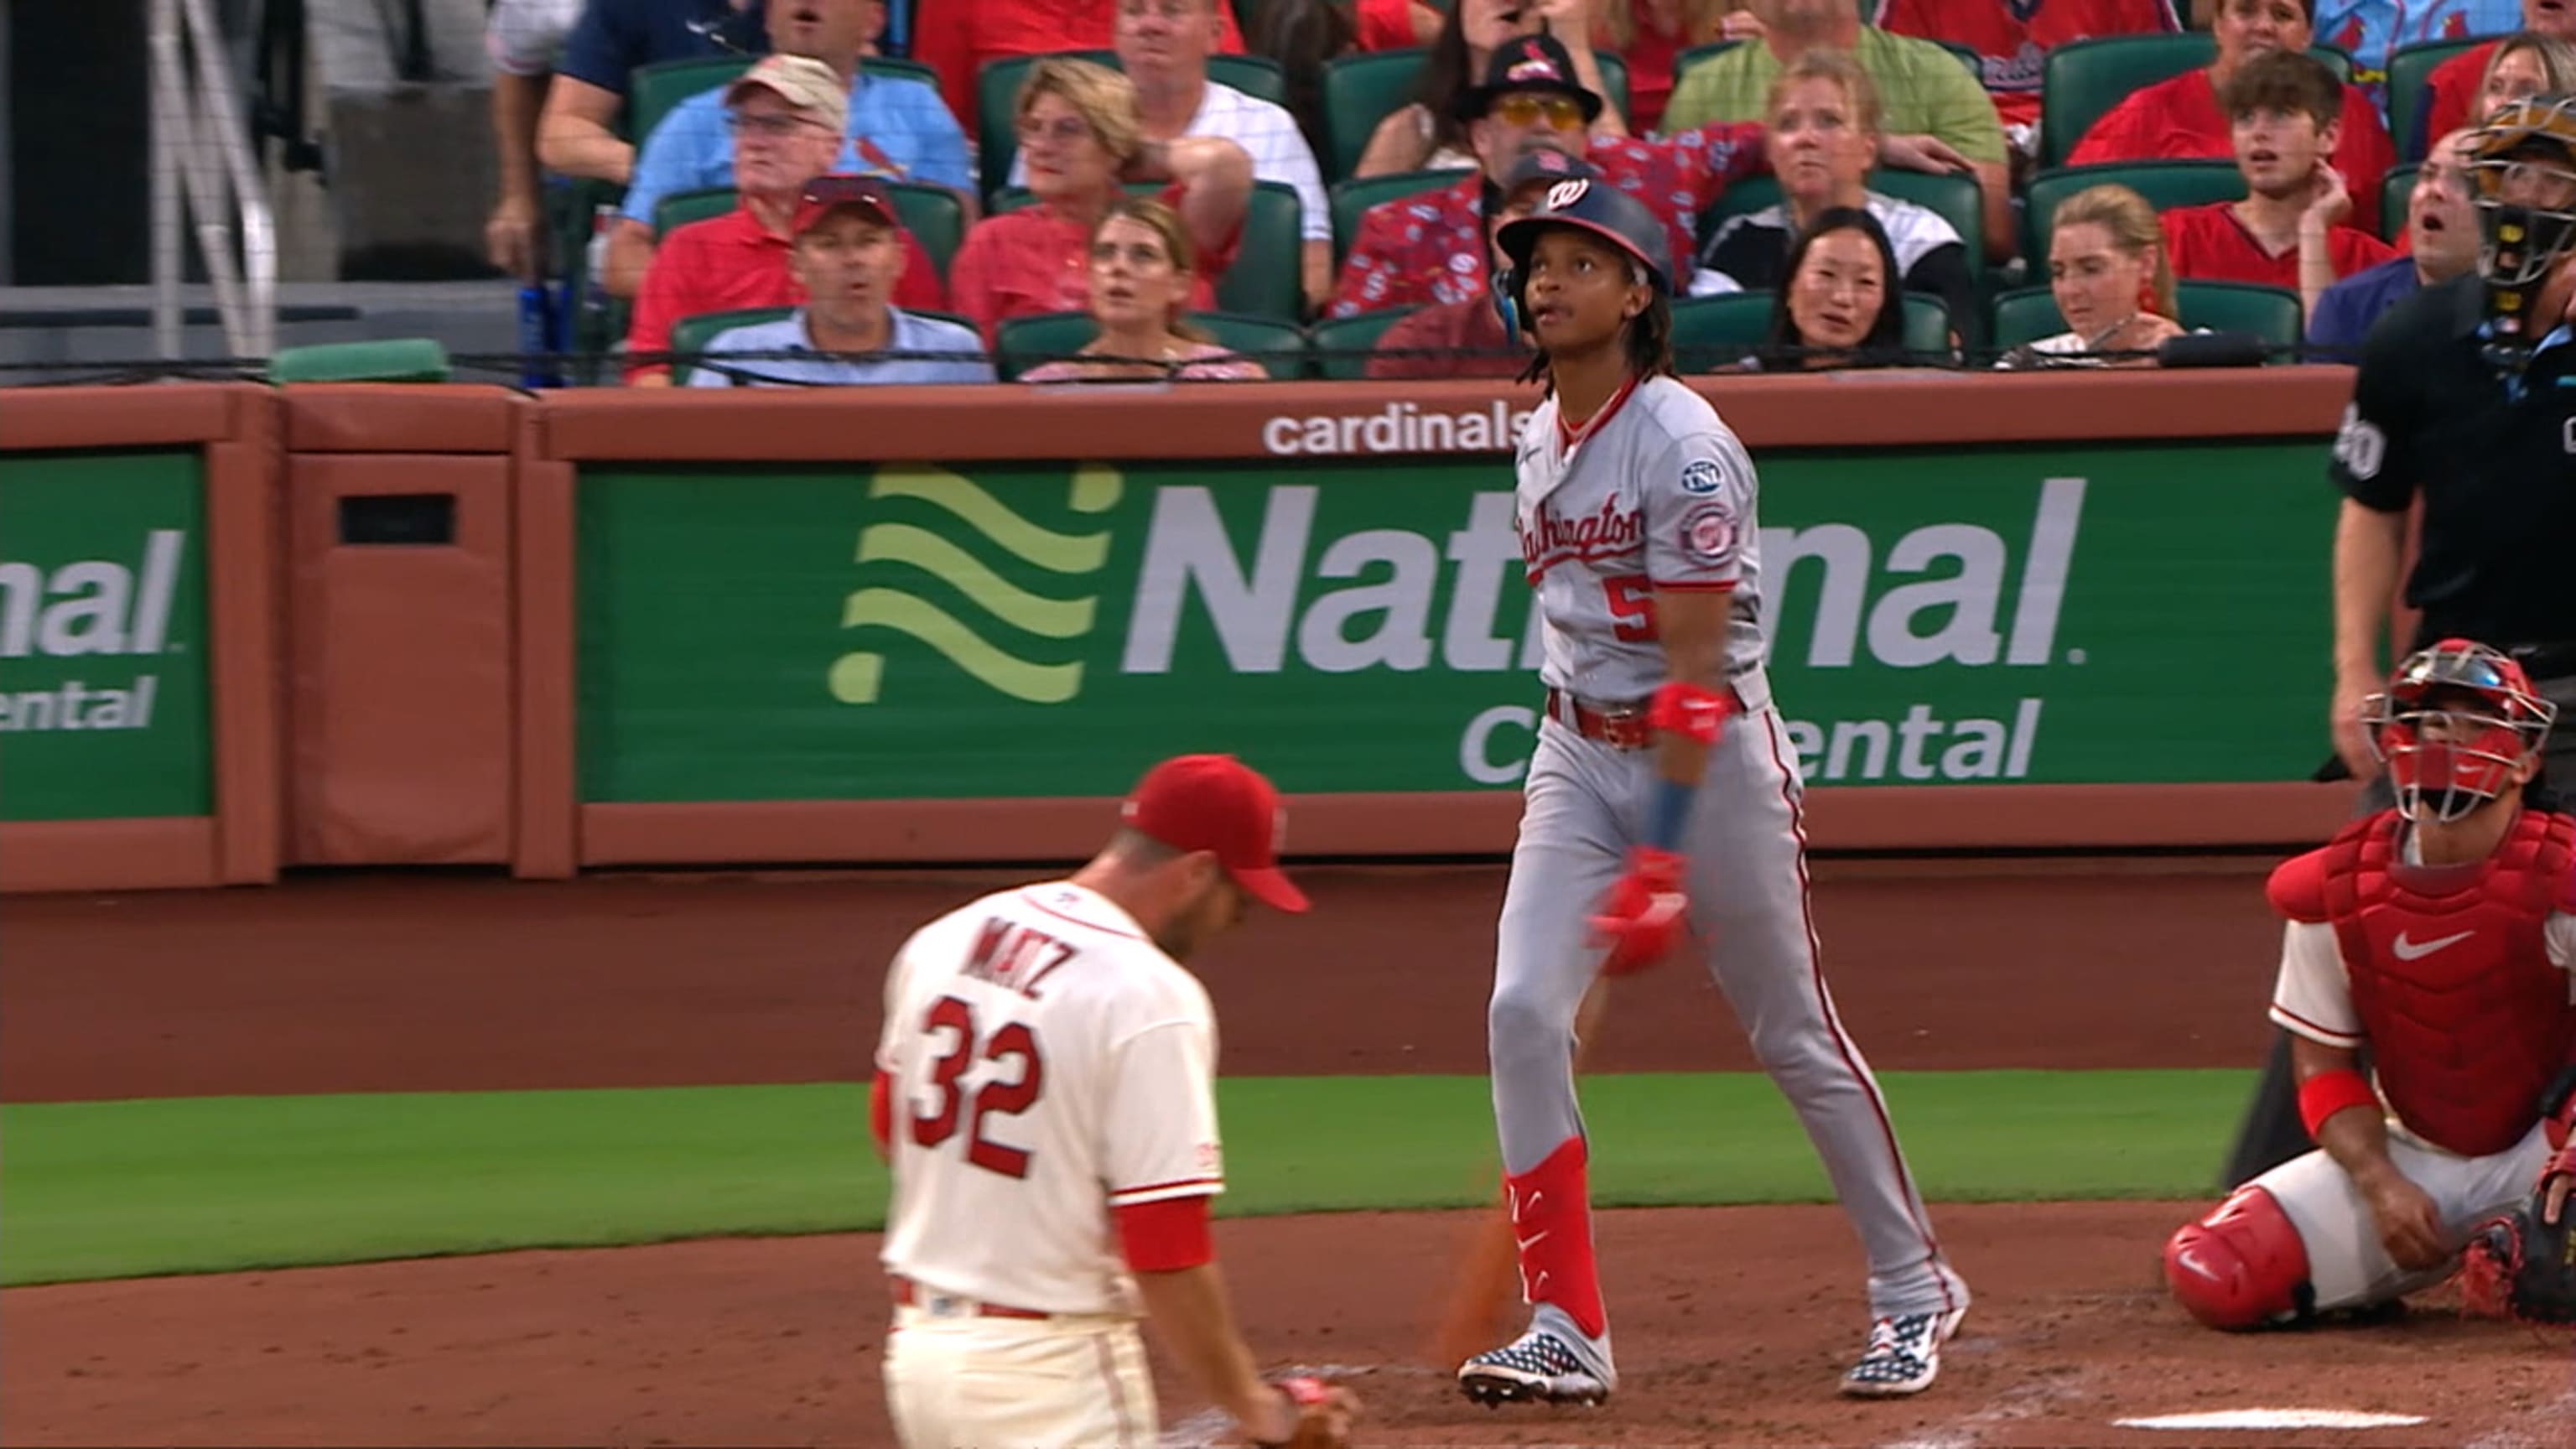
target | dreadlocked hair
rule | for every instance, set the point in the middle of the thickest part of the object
(1647, 339)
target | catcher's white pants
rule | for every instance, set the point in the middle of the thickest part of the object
(2346, 1264)
(1068, 1382)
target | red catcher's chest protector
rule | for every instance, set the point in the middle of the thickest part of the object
(2467, 1018)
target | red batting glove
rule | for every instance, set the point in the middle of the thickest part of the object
(1641, 914)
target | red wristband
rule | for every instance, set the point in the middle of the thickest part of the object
(2327, 1093)
(1691, 711)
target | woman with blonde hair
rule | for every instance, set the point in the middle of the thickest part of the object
(1140, 279)
(2106, 267)
(1822, 139)
(1079, 134)
(2526, 63)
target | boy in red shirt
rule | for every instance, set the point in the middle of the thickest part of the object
(2283, 112)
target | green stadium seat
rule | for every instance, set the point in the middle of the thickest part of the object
(2271, 313)
(2410, 70)
(997, 98)
(1956, 198)
(2394, 189)
(389, 359)
(933, 214)
(693, 333)
(652, 90)
(697, 204)
(1266, 279)
(2082, 80)
(1362, 90)
(1712, 332)
(1021, 343)
(1352, 200)
(2165, 185)
(888, 66)
(1353, 337)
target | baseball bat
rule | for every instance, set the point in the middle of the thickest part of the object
(1485, 1288)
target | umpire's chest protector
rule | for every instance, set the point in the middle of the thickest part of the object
(2467, 1017)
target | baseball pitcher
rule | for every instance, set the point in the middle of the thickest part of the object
(1045, 1093)
(1663, 792)
(2440, 934)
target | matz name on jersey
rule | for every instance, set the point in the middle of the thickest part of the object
(1607, 532)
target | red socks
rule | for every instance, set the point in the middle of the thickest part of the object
(1551, 1207)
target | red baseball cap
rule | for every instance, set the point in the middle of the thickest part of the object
(825, 195)
(1218, 803)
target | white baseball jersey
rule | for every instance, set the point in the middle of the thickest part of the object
(2313, 995)
(1048, 1063)
(1656, 493)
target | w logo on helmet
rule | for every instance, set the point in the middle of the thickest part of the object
(1565, 193)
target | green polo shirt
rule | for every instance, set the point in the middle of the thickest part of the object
(1921, 89)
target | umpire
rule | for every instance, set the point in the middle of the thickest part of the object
(2466, 393)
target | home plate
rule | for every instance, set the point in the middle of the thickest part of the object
(2275, 1419)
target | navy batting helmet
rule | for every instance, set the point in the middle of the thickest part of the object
(1603, 210)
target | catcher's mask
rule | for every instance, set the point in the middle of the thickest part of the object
(2451, 726)
(2523, 178)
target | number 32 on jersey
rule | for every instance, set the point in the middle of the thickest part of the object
(1010, 955)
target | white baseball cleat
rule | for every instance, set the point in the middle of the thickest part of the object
(1904, 1355)
(1536, 1367)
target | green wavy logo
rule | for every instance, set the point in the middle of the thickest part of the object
(857, 677)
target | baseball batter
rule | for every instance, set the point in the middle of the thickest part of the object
(1045, 1093)
(2440, 933)
(1663, 790)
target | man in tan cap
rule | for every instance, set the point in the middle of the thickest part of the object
(785, 114)
(893, 127)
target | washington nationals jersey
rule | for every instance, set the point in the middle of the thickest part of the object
(1654, 493)
(1048, 1063)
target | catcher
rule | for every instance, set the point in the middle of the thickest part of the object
(2440, 933)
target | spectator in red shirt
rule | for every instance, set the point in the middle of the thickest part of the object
(787, 119)
(1431, 247)
(1429, 134)
(1395, 24)
(2524, 64)
(1650, 35)
(1079, 133)
(1468, 336)
(2289, 231)
(2459, 85)
(2013, 40)
(957, 37)
(2180, 119)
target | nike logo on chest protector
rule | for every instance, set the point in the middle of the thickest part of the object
(2405, 950)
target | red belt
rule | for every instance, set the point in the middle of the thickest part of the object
(1621, 729)
(905, 1295)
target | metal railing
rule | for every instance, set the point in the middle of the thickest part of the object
(200, 146)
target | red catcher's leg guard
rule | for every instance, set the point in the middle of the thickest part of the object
(1551, 1207)
(2242, 1266)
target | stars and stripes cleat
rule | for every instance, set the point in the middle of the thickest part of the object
(1904, 1355)
(1537, 1367)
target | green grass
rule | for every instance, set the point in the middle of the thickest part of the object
(209, 1184)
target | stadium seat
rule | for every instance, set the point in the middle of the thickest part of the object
(1351, 338)
(997, 96)
(2082, 80)
(2271, 313)
(877, 65)
(693, 333)
(388, 359)
(1266, 279)
(2165, 184)
(2410, 71)
(1712, 332)
(652, 90)
(2394, 189)
(1362, 90)
(1956, 198)
(1021, 343)
(1352, 200)
(697, 204)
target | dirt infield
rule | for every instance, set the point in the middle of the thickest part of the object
(1732, 1322)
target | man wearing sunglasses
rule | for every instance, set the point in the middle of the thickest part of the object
(1431, 248)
